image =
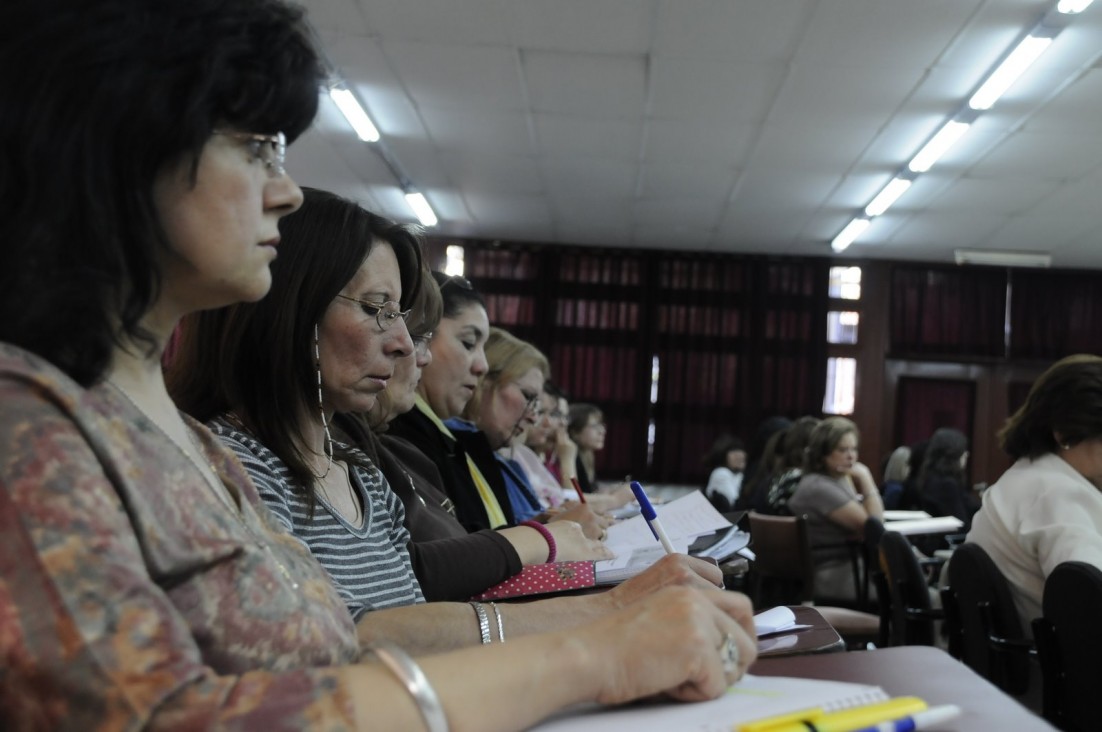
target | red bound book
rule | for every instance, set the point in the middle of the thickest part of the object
(541, 579)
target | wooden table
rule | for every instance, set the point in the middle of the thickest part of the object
(921, 671)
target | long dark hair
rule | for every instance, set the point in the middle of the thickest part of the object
(943, 454)
(99, 98)
(257, 359)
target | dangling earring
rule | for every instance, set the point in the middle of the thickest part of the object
(324, 422)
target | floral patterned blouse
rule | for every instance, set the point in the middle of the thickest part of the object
(131, 596)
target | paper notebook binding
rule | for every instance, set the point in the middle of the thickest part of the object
(542, 579)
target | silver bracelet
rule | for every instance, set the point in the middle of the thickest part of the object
(483, 621)
(500, 625)
(415, 682)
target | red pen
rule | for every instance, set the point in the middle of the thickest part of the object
(581, 496)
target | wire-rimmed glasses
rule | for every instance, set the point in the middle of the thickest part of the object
(269, 149)
(386, 313)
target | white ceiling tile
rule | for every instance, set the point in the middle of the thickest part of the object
(694, 89)
(585, 84)
(475, 77)
(584, 26)
(469, 131)
(698, 139)
(490, 173)
(469, 22)
(741, 31)
(560, 134)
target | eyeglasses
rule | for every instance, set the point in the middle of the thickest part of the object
(269, 149)
(421, 343)
(385, 314)
(532, 402)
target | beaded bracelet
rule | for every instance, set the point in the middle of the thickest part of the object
(415, 682)
(483, 621)
(552, 549)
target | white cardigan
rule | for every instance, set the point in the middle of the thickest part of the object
(1040, 513)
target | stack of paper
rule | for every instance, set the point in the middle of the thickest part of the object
(635, 547)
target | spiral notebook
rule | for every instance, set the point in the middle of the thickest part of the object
(752, 698)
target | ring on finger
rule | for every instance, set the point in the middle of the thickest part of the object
(729, 654)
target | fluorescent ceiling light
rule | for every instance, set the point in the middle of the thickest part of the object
(422, 208)
(938, 145)
(887, 197)
(1008, 72)
(852, 231)
(355, 114)
(1003, 259)
(1071, 7)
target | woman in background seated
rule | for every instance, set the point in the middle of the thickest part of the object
(839, 497)
(1047, 508)
(725, 463)
(144, 584)
(790, 460)
(505, 403)
(943, 486)
(896, 469)
(528, 448)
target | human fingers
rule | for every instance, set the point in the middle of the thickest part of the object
(592, 524)
(670, 571)
(703, 649)
(573, 545)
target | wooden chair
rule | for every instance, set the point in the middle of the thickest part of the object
(1069, 645)
(985, 621)
(783, 573)
(910, 613)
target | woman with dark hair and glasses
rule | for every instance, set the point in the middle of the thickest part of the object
(341, 272)
(143, 584)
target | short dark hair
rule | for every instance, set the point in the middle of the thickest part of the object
(99, 98)
(257, 359)
(457, 292)
(717, 454)
(1067, 398)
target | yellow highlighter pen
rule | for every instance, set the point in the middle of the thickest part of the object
(816, 720)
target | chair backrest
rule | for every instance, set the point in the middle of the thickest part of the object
(783, 553)
(1070, 645)
(907, 591)
(986, 612)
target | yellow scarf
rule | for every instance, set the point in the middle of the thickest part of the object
(489, 500)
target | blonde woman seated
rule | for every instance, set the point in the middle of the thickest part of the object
(839, 497)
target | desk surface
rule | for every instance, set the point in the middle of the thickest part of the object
(821, 637)
(921, 671)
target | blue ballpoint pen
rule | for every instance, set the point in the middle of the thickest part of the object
(651, 517)
(918, 720)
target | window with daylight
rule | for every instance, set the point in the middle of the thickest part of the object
(845, 283)
(842, 326)
(841, 386)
